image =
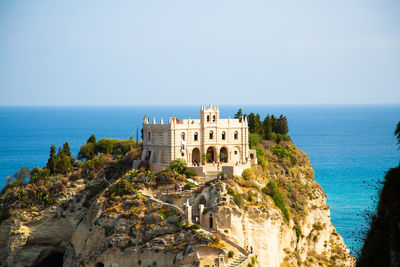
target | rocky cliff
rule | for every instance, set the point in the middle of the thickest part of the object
(104, 214)
(382, 241)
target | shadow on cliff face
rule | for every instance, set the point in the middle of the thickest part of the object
(50, 258)
(382, 243)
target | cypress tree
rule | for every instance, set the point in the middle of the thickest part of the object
(283, 127)
(239, 115)
(258, 127)
(92, 139)
(274, 123)
(52, 162)
(251, 120)
(267, 125)
(67, 152)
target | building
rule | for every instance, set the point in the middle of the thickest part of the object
(206, 144)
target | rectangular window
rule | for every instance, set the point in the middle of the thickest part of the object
(235, 152)
(183, 154)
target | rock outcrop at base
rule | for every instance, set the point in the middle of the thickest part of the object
(108, 215)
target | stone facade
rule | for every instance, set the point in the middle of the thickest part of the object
(189, 139)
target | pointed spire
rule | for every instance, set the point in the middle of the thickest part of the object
(210, 104)
(145, 120)
(154, 120)
(161, 121)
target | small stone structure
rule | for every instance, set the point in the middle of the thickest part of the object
(208, 144)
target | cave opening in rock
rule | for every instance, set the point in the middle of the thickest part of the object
(53, 259)
(99, 264)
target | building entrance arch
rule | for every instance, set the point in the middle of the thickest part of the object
(196, 156)
(223, 150)
(211, 154)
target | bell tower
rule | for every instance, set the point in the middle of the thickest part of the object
(210, 115)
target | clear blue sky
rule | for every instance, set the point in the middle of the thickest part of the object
(191, 52)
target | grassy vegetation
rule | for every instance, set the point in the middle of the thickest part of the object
(237, 197)
(272, 189)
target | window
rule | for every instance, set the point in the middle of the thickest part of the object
(211, 135)
(236, 135)
(235, 152)
(196, 136)
(149, 136)
(183, 154)
(213, 117)
(208, 118)
(183, 136)
(223, 135)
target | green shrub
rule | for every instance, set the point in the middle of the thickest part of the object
(230, 191)
(248, 174)
(297, 228)
(194, 227)
(188, 186)
(238, 199)
(121, 187)
(115, 146)
(254, 139)
(231, 253)
(178, 165)
(272, 189)
(189, 173)
(253, 260)
(39, 173)
(251, 196)
(317, 226)
(282, 152)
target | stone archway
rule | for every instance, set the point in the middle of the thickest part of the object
(225, 151)
(196, 155)
(211, 154)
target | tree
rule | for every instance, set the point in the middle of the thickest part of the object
(267, 125)
(63, 161)
(274, 123)
(282, 126)
(255, 125)
(204, 156)
(92, 139)
(397, 133)
(67, 152)
(52, 162)
(22, 174)
(239, 115)
(177, 165)
(89, 150)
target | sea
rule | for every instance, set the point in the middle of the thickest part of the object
(350, 146)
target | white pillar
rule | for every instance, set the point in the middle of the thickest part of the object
(189, 214)
(201, 208)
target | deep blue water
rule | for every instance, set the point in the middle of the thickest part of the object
(347, 145)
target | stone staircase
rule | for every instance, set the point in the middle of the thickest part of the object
(212, 175)
(237, 260)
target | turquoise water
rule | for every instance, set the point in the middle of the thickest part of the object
(347, 145)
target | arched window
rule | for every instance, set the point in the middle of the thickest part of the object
(211, 134)
(183, 136)
(236, 135)
(213, 117)
(208, 118)
(196, 136)
(149, 136)
(223, 135)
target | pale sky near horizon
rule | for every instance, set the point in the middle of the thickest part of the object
(191, 52)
